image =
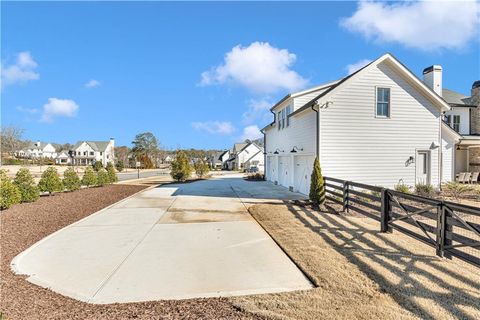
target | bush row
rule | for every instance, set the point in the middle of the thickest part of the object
(23, 188)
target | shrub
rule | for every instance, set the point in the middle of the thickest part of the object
(402, 187)
(424, 189)
(11, 161)
(97, 165)
(146, 162)
(71, 181)
(102, 177)
(89, 178)
(256, 177)
(50, 181)
(119, 165)
(457, 189)
(181, 168)
(112, 175)
(26, 185)
(317, 185)
(9, 193)
(201, 168)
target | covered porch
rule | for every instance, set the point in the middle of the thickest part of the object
(467, 158)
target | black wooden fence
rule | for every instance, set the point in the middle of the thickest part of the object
(452, 229)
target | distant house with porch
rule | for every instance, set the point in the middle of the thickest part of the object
(88, 152)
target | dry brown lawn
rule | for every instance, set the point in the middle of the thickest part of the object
(361, 273)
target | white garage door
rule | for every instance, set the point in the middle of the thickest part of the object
(303, 170)
(283, 168)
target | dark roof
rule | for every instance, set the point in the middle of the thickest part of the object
(456, 99)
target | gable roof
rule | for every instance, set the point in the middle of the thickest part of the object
(456, 99)
(237, 147)
(95, 145)
(32, 145)
(439, 101)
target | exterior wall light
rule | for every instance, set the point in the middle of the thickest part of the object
(295, 149)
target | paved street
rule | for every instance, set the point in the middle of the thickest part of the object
(133, 174)
(171, 242)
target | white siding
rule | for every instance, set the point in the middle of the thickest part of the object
(357, 146)
(300, 101)
(464, 114)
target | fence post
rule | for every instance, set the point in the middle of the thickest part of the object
(385, 211)
(345, 196)
(440, 236)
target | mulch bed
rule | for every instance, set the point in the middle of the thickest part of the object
(25, 224)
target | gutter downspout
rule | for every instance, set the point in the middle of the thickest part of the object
(264, 156)
(317, 136)
(440, 153)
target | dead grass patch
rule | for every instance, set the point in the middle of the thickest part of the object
(360, 272)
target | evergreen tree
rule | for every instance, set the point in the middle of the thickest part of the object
(112, 175)
(9, 193)
(120, 165)
(97, 165)
(89, 178)
(181, 168)
(102, 177)
(317, 185)
(26, 185)
(50, 181)
(71, 181)
(201, 168)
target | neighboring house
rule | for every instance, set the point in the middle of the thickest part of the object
(168, 159)
(380, 125)
(63, 158)
(219, 159)
(38, 149)
(246, 155)
(88, 152)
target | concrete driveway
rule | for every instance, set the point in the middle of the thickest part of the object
(171, 242)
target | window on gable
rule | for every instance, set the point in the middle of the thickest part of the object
(448, 120)
(456, 123)
(383, 102)
(279, 117)
(289, 110)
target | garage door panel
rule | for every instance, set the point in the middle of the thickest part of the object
(303, 170)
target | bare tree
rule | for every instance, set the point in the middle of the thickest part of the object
(11, 140)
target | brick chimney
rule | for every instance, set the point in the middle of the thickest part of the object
(475, 113)
(432, 77)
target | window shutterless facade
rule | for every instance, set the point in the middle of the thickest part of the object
(382, 109)
(456, 123)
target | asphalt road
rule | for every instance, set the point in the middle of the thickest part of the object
(134, 175)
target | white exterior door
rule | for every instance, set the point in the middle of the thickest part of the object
(283, 168)
(303, 170)
(423, 167)
(271, 168)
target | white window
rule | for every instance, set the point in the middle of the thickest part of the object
(448, 120)
(279, 116)
(383, 102)
(456, 123)
(289, 110)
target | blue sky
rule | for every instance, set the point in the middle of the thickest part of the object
(203, 75)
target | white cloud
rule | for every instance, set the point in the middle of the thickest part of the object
(351, 68)
(258, 109)
(58, 108)
(92, 83)
(426, 25)
(259, 67)
(214, 127)
(20, 72)
(251, 133)
(27, 110)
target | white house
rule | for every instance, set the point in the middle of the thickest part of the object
(63, 158)
(219, 159)
(245, 156)
(38, 149)
(88, 152)
(379, 125)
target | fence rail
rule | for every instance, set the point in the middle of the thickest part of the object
(451, 228)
